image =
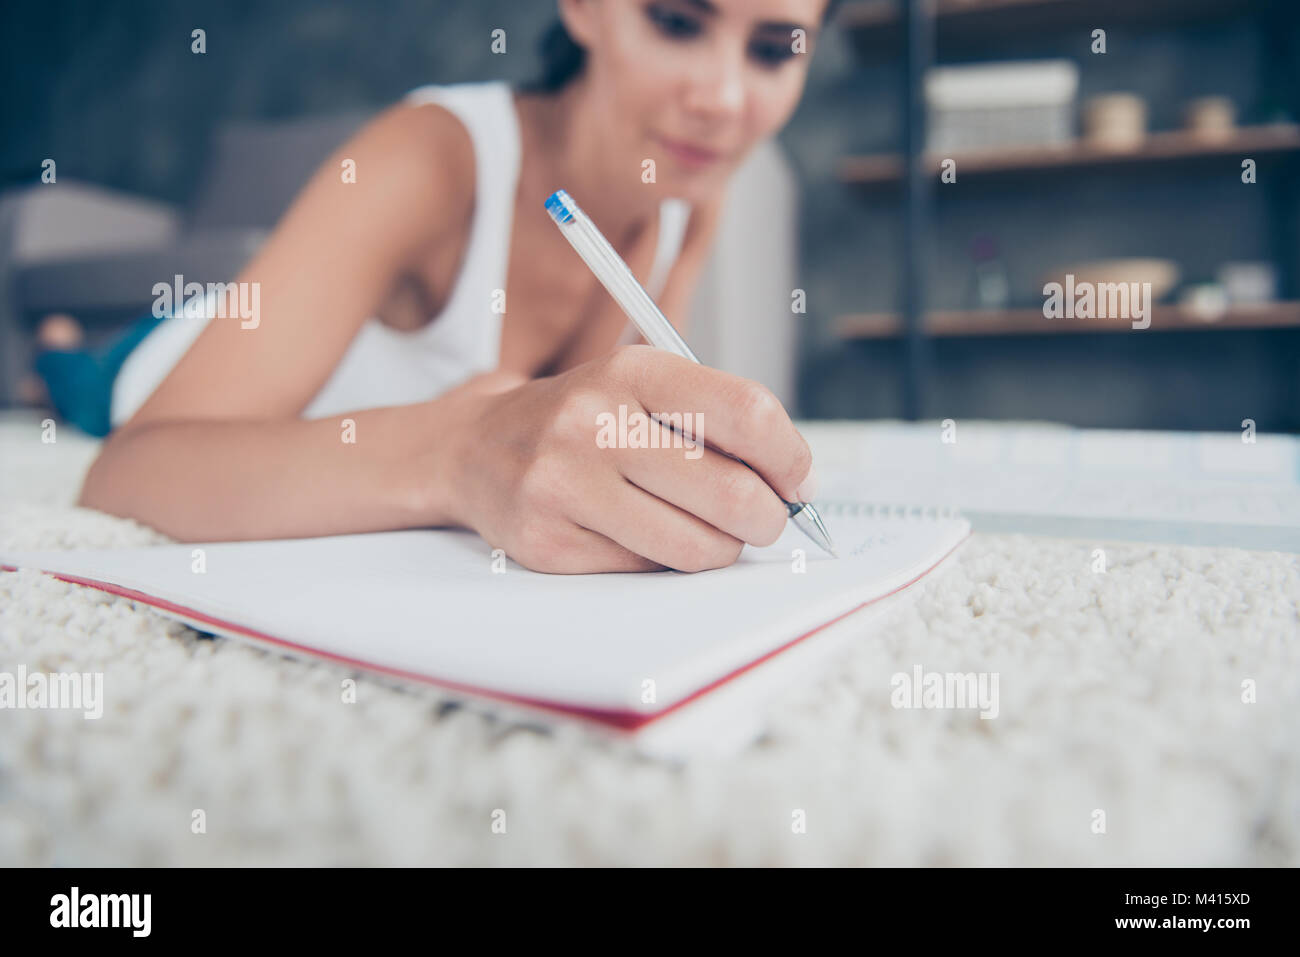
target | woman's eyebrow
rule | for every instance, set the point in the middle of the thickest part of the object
(775, 26)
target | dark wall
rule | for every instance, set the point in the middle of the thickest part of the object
(111, 90)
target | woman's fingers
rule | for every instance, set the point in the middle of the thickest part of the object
(718, 489)
(652, 528)
(580, 551)
(558, 471)
(729, 413)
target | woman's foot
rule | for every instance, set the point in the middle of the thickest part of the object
(60, 331)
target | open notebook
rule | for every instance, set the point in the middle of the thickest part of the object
(620, 652)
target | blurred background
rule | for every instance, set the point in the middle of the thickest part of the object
(1113, 156)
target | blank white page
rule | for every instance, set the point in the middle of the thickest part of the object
(426, 604)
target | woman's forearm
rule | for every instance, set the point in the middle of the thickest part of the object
(257, 479)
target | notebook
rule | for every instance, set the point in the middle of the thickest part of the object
(1180, 488)
(619, 653)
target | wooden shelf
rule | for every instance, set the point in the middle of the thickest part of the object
(1031, 322)
(1157, 147)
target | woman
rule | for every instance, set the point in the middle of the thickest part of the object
(342, 408)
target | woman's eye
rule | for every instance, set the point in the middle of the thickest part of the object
(771, 54)
(672, 24)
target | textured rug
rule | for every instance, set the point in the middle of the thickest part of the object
(1123, 734)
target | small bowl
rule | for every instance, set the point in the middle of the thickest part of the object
(1161, 273)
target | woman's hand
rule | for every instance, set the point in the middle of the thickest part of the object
(550, 469)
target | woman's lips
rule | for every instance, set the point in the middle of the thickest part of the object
(688, 155)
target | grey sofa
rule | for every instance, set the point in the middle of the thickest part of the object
(77, 248)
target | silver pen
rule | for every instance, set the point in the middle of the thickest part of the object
(615, 276)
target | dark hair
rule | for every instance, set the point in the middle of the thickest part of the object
(563, 58)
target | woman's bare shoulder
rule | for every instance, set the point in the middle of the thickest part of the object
(420, 157)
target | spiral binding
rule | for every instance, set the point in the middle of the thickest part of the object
(888, 510)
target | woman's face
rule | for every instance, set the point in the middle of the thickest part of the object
(693, 84)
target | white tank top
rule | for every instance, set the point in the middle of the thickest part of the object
(384, 366)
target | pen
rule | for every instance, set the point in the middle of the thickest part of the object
(615, 276)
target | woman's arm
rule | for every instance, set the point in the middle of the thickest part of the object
(289, 478)
(215, 480)
(218, 451)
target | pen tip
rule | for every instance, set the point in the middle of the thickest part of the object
(810, 523)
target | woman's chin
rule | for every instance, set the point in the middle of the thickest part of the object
(695, 188)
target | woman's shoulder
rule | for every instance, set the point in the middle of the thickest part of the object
(421, 151)
(464, 112)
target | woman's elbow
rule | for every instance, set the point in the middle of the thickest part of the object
(104, 478)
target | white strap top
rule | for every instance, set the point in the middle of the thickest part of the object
(384, 366)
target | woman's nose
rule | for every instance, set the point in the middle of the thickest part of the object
(717, 85)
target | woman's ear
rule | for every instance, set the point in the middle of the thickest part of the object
(579, 18)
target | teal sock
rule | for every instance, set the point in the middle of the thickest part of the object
(78, 388)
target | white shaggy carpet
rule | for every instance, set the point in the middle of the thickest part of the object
(1119, 692)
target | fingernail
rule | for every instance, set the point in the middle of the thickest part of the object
(807, 489)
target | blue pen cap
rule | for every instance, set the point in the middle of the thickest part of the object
(561, 205)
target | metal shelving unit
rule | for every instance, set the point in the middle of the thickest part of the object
(917, 30)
